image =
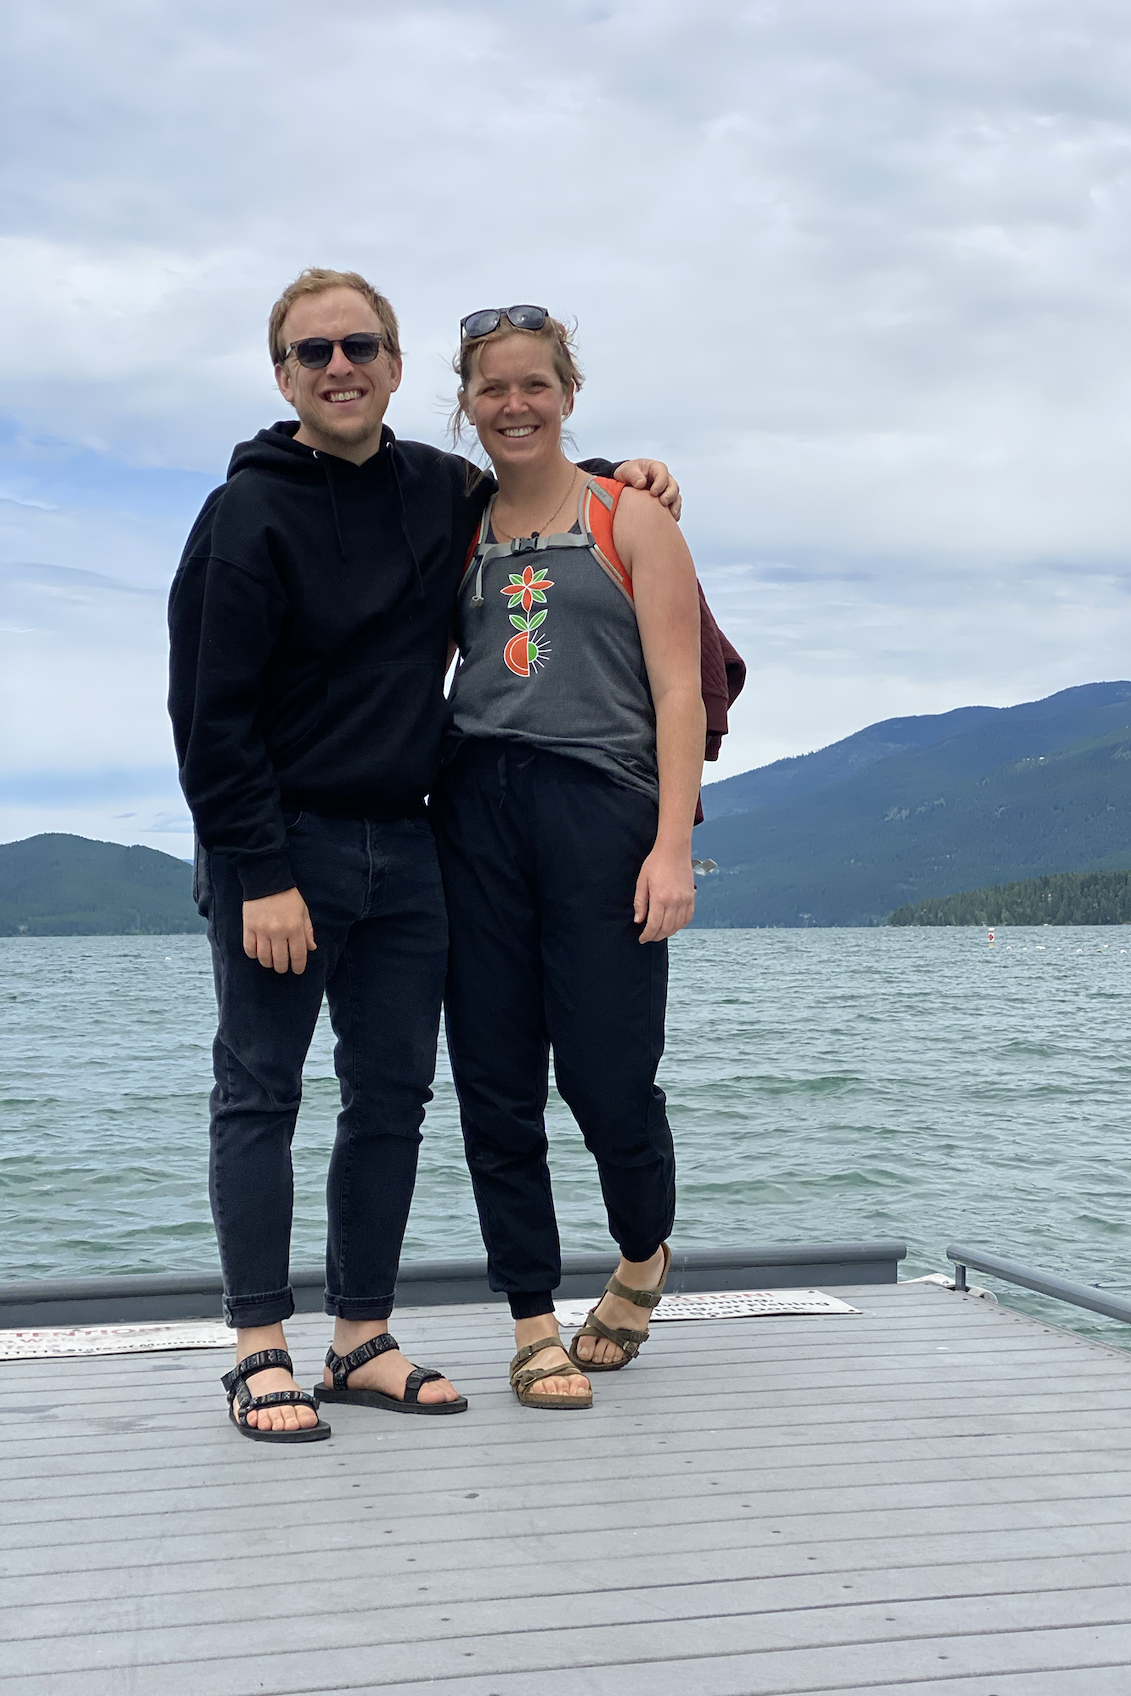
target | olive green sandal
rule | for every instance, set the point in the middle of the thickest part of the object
(630, 1342)
(524, 1378)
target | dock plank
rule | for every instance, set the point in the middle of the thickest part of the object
(629, 1628)
(764, 1552)
(482, 1603)
(880, 1460)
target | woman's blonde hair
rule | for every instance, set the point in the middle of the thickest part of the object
(563, 355)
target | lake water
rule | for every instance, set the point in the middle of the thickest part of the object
(822, 1085)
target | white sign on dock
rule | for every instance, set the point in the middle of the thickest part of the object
(725, 1304)
(54, 1342)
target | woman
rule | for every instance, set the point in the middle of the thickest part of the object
(564, 829)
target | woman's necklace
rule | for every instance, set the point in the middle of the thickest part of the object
(534, 534)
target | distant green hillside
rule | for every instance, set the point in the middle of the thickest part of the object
(1072, 898)
(69, 886)
(785, 780)
(1041, 788)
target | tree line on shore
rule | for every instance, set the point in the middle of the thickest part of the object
(1065, 898)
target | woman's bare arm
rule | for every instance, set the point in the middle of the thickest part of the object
(667, 613)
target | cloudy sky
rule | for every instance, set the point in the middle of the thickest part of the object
(858, 269)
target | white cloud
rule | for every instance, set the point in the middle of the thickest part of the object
(83, 675)
(858, 272)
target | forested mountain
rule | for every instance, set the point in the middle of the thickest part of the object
(785, 780)
(1071, 898)
(57, 885)
(1017, 792)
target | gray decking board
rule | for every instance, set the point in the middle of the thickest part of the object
(1033, 1526)
(776, 1370)
(54, 1472)
(839, 1489)
(907, 1568)
(878, 1463)
(102, 1375)
(1080, 1420)
(734, 1385)
(480, 1601)
(628, 1627)
(965, 1470)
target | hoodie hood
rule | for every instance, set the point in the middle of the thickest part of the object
(275, 450)
(351, 488)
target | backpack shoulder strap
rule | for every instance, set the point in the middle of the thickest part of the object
(597, 510)
(478, 539)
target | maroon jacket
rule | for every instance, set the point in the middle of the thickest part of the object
(724, 673)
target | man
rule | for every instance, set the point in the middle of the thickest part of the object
(309, 623)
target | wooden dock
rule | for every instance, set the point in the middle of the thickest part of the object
(932, 1497)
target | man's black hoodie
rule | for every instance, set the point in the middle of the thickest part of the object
(309, 622)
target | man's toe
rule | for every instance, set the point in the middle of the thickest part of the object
(438, 1390)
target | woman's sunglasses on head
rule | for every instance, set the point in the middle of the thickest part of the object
(485, 323)
(315, 352)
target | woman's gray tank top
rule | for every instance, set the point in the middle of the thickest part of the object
(549, 648)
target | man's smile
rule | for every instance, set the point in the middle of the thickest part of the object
(336, 396)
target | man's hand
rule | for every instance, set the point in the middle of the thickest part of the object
(665, 894)
(654, 476)
(277, 931)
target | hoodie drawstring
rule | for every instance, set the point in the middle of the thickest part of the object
(325, 464)
(418, 574)
(404, 527)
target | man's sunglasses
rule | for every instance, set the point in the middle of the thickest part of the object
(315, 352)
(484, 323)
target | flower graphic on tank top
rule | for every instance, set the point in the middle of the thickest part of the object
(525, 652)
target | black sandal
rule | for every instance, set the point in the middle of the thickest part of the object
(341, 1365)
(239, 1396)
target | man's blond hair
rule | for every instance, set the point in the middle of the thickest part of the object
(316, 280)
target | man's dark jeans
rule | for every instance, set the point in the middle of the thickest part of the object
(377, 907)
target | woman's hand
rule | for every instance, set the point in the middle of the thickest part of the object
(652, 476)
(665, 893)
